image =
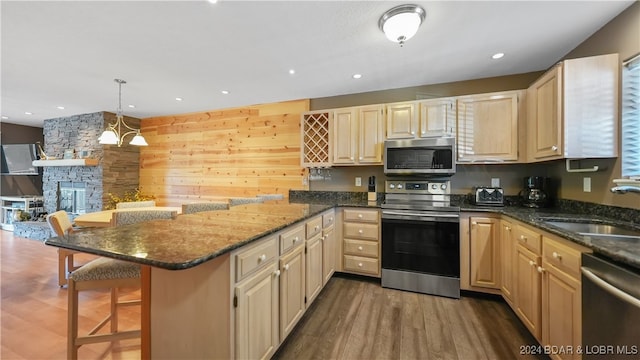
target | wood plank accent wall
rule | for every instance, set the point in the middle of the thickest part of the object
(224, 153)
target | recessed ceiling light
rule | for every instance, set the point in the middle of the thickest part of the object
(132, 106)
(179, 99)
(60, 107)
(28, 113)
(497, 56)
(5, 117)
(357, 76)
(212, 1)
(292, 71)
(226, 92)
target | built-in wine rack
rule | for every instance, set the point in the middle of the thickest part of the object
(315, 133)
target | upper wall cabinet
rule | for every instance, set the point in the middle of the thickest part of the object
(437, 117)
(316, 149)
(573, 110)
(487, 127)
(358, 135)
(402, 120)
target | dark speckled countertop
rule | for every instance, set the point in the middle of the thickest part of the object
(189, 240)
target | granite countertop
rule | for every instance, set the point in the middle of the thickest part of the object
(622, 251)
(189, 240)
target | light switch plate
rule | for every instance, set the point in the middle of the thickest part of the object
(358, 181)
(586, 184)
(495, 182)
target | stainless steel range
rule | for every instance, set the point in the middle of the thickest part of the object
(420, 237)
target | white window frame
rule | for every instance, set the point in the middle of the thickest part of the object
(630, 129)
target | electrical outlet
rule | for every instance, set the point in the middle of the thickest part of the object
(358, 181)
(495, 182)
(586, 184)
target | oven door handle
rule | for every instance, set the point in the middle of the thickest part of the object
(420, 216)
(610, 288)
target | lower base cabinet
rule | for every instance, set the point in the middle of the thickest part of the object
(314, 273)
(528, 282)
(256, 315)
(292, 290)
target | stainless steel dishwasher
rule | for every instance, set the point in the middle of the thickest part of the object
(610, 310)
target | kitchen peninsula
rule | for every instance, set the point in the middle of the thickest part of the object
(186, 313)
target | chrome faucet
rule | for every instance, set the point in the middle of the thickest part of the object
(625, 189)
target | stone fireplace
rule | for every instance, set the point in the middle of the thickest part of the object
(117, 170)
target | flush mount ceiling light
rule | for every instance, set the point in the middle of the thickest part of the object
(400, 23)
(113, 134)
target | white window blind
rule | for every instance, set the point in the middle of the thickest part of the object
(631, 117)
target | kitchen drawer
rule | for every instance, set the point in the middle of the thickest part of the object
(361, 265)
(530, 239)
(255, 256)
(561, 256)
(290, 238)
(361, 231)
(328, 219)
(361, 215)
(361, 248)
(314, 227)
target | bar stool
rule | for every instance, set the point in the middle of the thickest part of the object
(60, 224)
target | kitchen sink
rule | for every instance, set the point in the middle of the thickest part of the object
(595, 229)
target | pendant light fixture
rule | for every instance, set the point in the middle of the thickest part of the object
(113, 134)
(400, 23)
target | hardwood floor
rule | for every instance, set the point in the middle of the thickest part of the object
(351, 319)
(33, 317)
(356, 319)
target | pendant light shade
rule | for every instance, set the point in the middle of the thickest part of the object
(401, 23)
(113, 134)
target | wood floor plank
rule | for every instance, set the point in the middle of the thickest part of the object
(439, 338)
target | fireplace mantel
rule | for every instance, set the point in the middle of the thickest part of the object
(66, 162)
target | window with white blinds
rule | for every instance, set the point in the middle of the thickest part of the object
(631, 117)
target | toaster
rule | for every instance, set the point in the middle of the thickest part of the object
(493, 196)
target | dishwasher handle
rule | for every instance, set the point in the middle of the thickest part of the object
(610, 288)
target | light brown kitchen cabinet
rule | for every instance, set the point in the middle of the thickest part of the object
(485, 252)
(314, 274)
(507, 256)
(437, 117)
(487, 127)
(358, 135)
(528, 283)
(573, 110)
(561, 295)
(256, 315)
(256, 300)
(328, 245)
(361, 241)
(402, 120)
(316, 150)
(292, 289)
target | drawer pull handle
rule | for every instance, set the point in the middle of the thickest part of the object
(262, 257)
(360, 216)
(523, 238)
(316, 228)
(532, 263)
(359, 264)
(507, 228)
(286, 267)
(276, 273)
(360, 231)
(556, 256)
(360, 248)
(295, 239)
(540, 269)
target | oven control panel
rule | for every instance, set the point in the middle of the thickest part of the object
(434, 187)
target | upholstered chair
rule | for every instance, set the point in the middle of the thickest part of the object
(245, 200)
(271, 196)
(135, 204)
(206, 206)
(60, 224)
(107, 273)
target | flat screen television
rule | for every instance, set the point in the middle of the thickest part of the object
(17, 159)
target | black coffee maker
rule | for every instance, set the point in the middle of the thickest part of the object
(534, 194)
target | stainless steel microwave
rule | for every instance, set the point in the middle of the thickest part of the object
(429, 156)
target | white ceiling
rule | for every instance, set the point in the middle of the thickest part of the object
(67, 53)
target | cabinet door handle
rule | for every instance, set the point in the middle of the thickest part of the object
(360, 158)
(523, 238)
(262, 257)
(276, 273)
(286, 267)
(554, 148)
(532, 263)
(556, 256)
(540, 269)
(507, 228)
(474, 223)
(351, 158)
(413, 133)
